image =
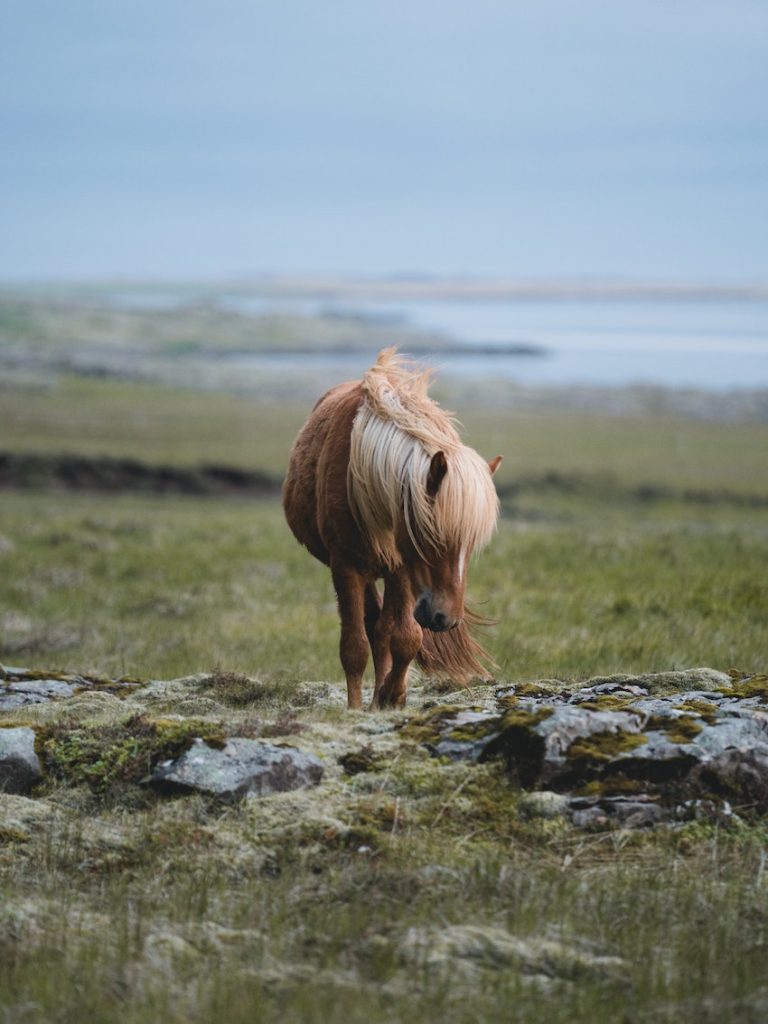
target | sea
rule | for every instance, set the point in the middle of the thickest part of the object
(704, 344)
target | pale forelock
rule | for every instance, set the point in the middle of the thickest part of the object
(396, 432)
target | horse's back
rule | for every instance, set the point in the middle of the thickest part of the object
(315, 488)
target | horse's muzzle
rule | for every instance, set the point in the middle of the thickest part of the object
(429, 618)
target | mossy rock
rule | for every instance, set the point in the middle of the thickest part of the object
(749, 686)
(429, 726)
(600, 747)
(706, 710)
(122, 752)
(681, 728)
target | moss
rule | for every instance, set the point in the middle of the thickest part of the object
(469, 732)
(11, 834)
(126, 752)
(752, 686)
(80, 682)
(364, 760)
(678, 729)
(612, 785)
(510, 700)
(604, 746)
(429, 726)
(706, 710)
(456, 800)
(238, 691)
(519, 718)
(608, 702)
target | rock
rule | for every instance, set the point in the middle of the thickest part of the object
(739, 771)
(23, 687)
(12, 701)
(630, 812)
(242, 767)
(32, 691)
(19, 764)
(569, 734)
(85, 706)
(670, 682)
(472, 731)
(543, 804)
(640, 742)
(43, 688)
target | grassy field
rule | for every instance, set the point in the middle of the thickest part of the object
(163, 424)
(584, 577)
(114, 902)
(165, 587)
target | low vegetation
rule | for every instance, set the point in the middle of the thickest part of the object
(404, 887)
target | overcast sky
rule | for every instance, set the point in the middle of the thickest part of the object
(530, 138)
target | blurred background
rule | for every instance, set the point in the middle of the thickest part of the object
(528, 139)
(583, 183)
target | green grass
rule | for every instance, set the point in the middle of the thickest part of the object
(160, 588)
(149, 422)
(166, 920)
(664, 450)
(161, 424)
(165, 587)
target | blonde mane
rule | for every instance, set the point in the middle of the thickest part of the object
(397, 430)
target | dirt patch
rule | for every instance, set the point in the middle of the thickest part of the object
(104, 473)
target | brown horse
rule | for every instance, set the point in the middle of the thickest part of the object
(379, 485)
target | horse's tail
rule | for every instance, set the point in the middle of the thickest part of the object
(455, 653)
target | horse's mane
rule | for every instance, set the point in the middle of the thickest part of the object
(397, 430)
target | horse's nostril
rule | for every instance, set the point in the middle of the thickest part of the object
(439, 622)
(421, 613)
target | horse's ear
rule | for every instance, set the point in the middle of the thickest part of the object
(437, 470)
(494, 464)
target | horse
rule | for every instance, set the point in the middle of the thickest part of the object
(380, 485)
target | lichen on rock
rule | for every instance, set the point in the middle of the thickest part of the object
(647, 736)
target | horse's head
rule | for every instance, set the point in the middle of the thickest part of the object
(438, 572)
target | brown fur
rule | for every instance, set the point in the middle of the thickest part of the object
(380, 485)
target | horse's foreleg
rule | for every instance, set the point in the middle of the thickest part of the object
(399, 639)
(353, 648)
(377, 638)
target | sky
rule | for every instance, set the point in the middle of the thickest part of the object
(507, 138)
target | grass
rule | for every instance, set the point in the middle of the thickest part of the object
(166, 921)
(149, 422)
(181, 426)
(159, 588)
(303, 906)
(166, 587)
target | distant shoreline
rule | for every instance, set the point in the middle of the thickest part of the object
(410, 288)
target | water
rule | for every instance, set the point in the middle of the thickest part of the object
(704, 344)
